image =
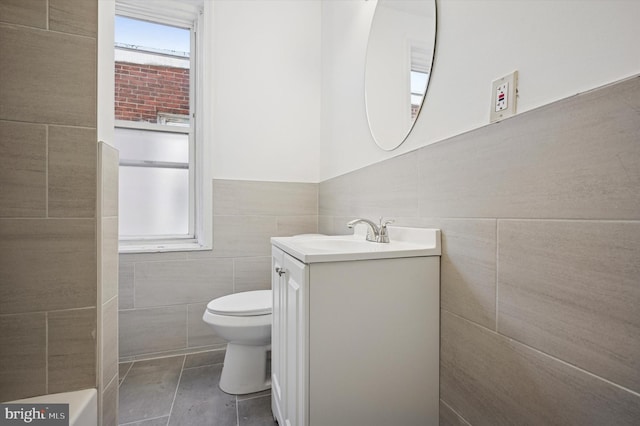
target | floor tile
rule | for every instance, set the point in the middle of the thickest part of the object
(160, 421)
(123, 369)
(149, 388)
(201, 359)
(199, 401)
(255, 412)
(254, 395)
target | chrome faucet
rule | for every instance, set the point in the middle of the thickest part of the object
(375, 233)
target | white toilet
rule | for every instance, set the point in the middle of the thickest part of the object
(244, 320)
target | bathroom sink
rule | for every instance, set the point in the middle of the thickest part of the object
(405, 242)
(338, 245)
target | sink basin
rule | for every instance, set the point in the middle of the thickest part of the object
(405, 242)
(337, 244)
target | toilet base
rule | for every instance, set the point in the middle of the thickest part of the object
(245, 369)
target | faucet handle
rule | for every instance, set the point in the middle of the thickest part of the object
(383, 236)
(383, 224)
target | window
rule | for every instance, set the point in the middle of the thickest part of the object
(161, 146)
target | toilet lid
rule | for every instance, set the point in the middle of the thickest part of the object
(248, 303)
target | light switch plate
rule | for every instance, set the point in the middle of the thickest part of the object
(504, 94)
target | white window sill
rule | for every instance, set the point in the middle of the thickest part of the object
(160, 247)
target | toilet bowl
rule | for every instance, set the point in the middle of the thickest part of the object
(244, 321)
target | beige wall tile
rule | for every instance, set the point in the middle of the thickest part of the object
(71, 352)
(386, 189)
(467, 267)
(126, 273)
(23, 165)
(47, 77)
(572, 290)
(340, 225)
(252, 274)
(74, 16)
(242, 236)
(72, 172)
(181, 282)
(448, 417)
(51, 261)
(109, 258)
(152, 330)
(109, 173)
(325, 225)
(235, 197)
(109, 343)
(22, 356)
(32, 13)
(110, 404)
(335, 196)
(294, 225)
(199, 332)
(492, 380)
(561, 161)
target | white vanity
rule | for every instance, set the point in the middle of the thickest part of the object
(355, 338)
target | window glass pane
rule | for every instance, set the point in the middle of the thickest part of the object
(153, 201)
(151, 71)
(135, 144)
(151, 35)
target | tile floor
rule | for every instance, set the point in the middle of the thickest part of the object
(183, 390)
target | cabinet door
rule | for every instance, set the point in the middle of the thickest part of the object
(278, 337)
(296, 278)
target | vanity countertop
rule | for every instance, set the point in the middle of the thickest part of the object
(405, 242)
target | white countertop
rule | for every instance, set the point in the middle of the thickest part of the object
(404, 242)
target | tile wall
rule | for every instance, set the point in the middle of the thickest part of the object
(58, 215)
(48, 158)
(540, 219)
(108, 283)
(162, 296)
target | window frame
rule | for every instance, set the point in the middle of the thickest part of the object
(200, 211)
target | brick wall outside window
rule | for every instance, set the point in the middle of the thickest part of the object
(143, 91)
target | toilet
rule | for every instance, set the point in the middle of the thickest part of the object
(244, 321)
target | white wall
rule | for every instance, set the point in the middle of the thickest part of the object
(560, 48)
(266, 96)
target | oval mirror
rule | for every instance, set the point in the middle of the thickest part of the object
(398, 65)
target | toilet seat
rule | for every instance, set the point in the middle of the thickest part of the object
(248, 303)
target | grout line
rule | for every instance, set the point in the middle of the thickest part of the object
(46, 159)
(47, 312)
(136, 422)
(46, 352)
(201, 366)
(237, 412)
(233, 275)
(47, 15)
(254, 397)
(456, 413)
(133, 285)
(184, 359)
(497, 270)
(545, 354)
(34, 218)
(125, 374)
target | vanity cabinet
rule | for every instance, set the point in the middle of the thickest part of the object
(289, 339)
(355, 342)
